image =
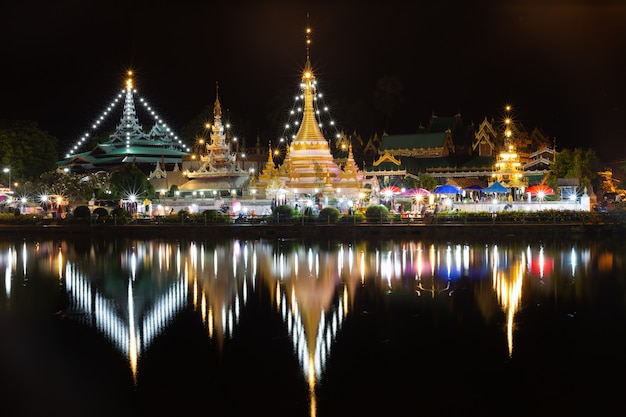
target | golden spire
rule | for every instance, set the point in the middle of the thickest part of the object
(269, 157)
(308, 40)
(309, 127)
(129, 81)
(217, 108)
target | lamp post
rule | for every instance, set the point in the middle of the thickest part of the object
(8, 170)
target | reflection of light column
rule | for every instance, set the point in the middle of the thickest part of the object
(573, 258)
(8, 271)
(133, 353)
(508, 289)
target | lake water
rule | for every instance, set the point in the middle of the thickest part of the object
(123, 327)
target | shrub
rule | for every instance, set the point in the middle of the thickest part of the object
(357, 217)
(211, 214)
(16, 218)
(82, 213)
(101, 212)
(377, 213)
(120, 214)
(284, 211)
(329, 214)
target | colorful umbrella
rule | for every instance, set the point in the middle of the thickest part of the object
(540, 189)
(414, 192)
(392, 189)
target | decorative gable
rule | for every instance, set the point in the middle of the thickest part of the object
(484, 139)
(386, 157)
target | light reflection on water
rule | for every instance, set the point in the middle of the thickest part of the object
(132, 290)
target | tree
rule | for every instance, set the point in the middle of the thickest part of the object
(130, 181)
(388, 97)
(424, 181)
(26, 150)
(72, 187)
(575, 163)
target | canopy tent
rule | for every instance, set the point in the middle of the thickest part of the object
(497, 188)
(447, 189)
(474, 187)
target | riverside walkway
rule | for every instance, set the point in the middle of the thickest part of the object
(440, 228)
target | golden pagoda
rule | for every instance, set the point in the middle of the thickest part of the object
(508, 169)
(308, 166)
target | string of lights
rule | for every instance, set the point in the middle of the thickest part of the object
(99, 121)
(322, 112)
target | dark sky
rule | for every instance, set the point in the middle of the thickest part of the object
(560, 63)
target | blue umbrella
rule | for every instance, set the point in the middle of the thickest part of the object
(447, 189)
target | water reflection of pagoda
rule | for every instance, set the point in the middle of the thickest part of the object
(311, 287)
(312, 295)
(131, 326)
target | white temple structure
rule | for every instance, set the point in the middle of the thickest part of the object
(215, 169)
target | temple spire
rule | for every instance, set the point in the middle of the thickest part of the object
(129, 124)
(309, 128)
(308, 39)
(217, 107)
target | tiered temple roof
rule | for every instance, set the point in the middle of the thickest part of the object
(129, 144)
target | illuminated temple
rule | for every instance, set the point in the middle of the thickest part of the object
(309, 167)
(129, 143)
(216, 167)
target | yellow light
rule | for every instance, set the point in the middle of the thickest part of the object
(129, 81)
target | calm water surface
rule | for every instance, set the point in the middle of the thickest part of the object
(126, 327)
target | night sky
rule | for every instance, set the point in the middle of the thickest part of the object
(559, 63)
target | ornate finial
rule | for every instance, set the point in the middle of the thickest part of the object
(129, 81)
(308, 37)
(217, 108)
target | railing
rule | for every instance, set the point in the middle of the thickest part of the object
(442, 218)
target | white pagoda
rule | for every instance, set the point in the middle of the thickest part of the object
(216, 167)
